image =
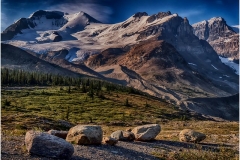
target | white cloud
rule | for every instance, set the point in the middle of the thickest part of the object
(97, 11)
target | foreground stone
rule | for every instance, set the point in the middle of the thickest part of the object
(118, 135)
(85, 134)
(110, 141)
(60, 134)
(146, 132)
(44, 144)
(123, 135)
(128, 136)
(188, 135)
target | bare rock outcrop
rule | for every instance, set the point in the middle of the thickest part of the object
(220, 36)
(158, 16)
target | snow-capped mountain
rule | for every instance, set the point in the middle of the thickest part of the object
(223, 39)
(41, 25)
(157, 54)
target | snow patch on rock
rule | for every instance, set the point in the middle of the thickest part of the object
(214, 67)
(231, 64)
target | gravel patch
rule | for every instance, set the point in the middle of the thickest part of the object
(13, 148)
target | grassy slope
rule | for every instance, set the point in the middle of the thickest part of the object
(53, 102)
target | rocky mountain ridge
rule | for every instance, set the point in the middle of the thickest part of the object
(223, 39)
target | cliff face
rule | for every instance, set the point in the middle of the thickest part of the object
(220, 36)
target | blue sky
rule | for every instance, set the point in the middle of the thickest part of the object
(113, 11)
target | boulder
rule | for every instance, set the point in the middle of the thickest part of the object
(60, 134)
(146, 132)
(118, 135)
(44, 144)
(123, 135)
(85, 134)
(110, 141)
(188, 135)
(128, 136)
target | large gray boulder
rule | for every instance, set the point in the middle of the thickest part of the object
(146, 132)
(188, 135)
(123, 135)
(85, 134)
(44, 144)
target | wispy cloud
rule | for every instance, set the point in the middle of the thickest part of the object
(189, 13)
(97, 11)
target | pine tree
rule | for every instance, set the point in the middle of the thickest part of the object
(69, 89)
(91, 94)
(127, 103)
(84, 90)
(67, 113)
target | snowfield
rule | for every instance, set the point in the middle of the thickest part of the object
(231, 64)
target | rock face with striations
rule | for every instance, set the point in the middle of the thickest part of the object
(158, 16)
(220, 36)
(44, 144)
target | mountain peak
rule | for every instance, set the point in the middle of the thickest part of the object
(140, 14)
(220, 36)
(91, 19)
(159, 15)
(48, 14)
(217, 19)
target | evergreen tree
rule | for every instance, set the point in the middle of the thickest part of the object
(127, 103)
(67, 113)
(69, 89)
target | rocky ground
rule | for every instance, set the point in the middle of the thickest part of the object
(12, 147)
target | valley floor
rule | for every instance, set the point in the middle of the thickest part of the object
(218, 145)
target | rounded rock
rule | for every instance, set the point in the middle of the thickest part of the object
(146, 132)
(85, 134)
(44, 144)
(188, 135)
